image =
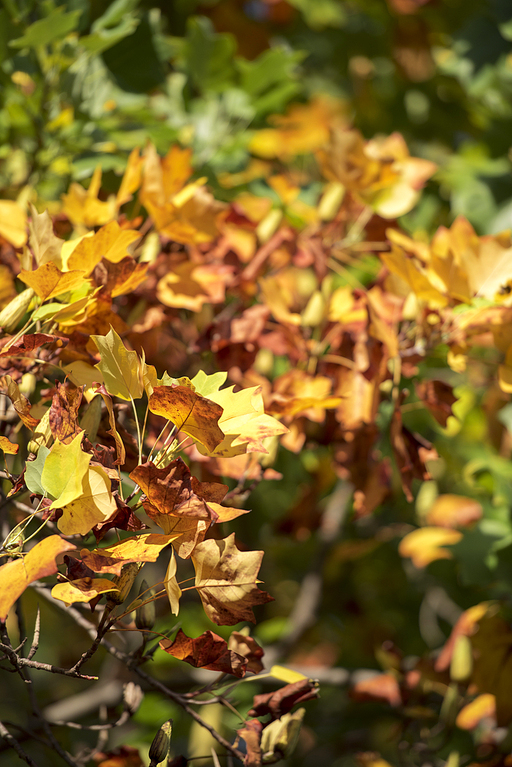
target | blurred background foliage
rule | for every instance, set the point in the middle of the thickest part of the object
(84, 82)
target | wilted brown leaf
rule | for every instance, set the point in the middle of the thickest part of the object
(206, 651)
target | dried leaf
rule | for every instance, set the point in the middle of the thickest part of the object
(82, 590)
(226, 580)
(189, 412)
(206, 651)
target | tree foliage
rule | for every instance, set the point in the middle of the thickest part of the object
(254, 258)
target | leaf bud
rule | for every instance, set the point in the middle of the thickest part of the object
(124, 582)
(461, 664)
(15, 309)
(331, 200)
(279, 738)
(145, 613)
(269, 225)
(132, 697)
(161, 744)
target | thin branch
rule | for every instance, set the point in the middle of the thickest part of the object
(4, 732)
(21, 662)
(37, 631)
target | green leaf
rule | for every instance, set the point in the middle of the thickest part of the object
(121, 369)
(209, 56)
(34, 470)
(54, 27)
(64, 470)
(206, 385)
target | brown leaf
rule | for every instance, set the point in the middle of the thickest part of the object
(410, 452)
(197, 416)
(381, 687)
(64, 412)
(206, 651)
(438, 397)
(282, 701)
(251, 733)
(30, 343)
(20, 403)
(226, 580)
(249, 648)
(174, 491)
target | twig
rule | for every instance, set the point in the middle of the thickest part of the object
(128, 661)
(37, 631)
(21, 662)
(4, 732)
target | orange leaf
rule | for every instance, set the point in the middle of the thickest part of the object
(454, 511)
(189, 412)
(483, 707)
(425, 545)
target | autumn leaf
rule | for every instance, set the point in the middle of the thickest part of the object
(82, 206)
(426, 544)
(171, 585)
(37, 563)
(174, 491)
(30, 343)
(110, 242)
(93, 505)
(137, 548)
(49, 282)
(45, 245)
(438, 397)
(283, 700)
(19, 401)
(449, 510)
(226, 580)
(381, 687)
(63, 415)
(247, 646)
(8, 447)
(13, 223)
(206, 651)
(243, 421)
(82, 590)
(120, 368)
(482, 707)
(189, 412)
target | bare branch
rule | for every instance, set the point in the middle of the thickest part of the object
(4, 732)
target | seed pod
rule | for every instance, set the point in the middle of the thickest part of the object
(461, 664)
(124, 582)
(145, 614)
(161, 744)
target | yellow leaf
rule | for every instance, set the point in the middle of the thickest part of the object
(121, 369)
(470, 716)
(110, 242)
(63, 472)
(137, 548)
(171, 586)
(13, 223)
(82, 590)
(93, 506)
(39, 562)
(48, 281)
(45, 245)
(426, 544)
(244, 421)
(226, 580)
(8, 447)
(450, 510)
(83, 206)
(286, 675)
(82, 374)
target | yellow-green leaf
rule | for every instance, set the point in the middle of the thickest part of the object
(121, 368)
(64, 471)
(91, 507)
